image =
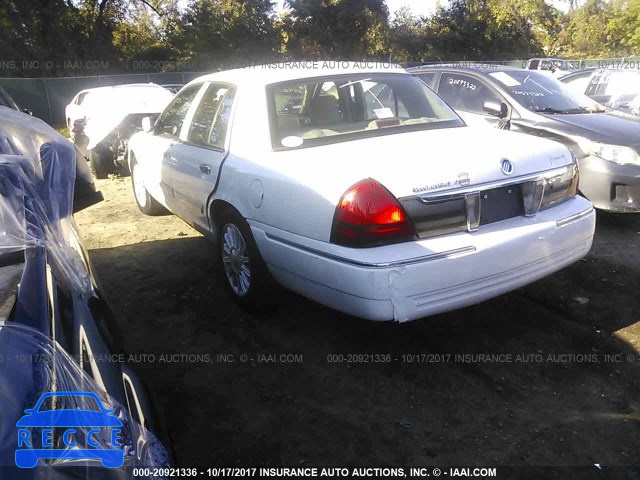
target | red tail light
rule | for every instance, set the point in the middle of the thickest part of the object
(368, 216)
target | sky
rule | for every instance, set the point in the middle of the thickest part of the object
(426, 7)
(418, 7)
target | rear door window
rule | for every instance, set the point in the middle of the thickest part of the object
(466, 93)
(427, 77)
(211, 119)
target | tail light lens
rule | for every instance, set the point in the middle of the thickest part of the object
(368, 215)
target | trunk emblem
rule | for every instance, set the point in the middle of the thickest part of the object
(506, 166)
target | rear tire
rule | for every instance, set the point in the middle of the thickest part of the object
(146, 203)
(243, 272)
(101, 159)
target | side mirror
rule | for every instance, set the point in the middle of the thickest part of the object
(147, 126)
(496, 109)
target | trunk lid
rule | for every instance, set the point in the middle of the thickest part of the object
(421, 163)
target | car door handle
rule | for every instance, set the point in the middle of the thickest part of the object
(205, 169)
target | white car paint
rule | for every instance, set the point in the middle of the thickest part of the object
(289, 199)
(103, 108)
(74, 110)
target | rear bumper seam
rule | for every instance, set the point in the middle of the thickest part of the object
(398, 263)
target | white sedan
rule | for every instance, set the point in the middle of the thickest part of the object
(102, 119)
(358, 188)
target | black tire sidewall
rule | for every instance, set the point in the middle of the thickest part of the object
(101, 162)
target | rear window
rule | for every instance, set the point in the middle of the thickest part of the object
(618, 83)
(326, 110)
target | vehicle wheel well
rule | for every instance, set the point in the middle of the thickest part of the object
(218, 207)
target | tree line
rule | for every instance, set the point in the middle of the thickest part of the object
(168, 35)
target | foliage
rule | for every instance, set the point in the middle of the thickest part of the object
(340, 29)
(218, 33)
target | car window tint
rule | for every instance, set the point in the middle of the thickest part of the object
(221, 123)
(426, 77)
(309, 112)
(171, 120)
(465, 93)
(209, 124)
(539, 92)
(81, 98)
(579, 82)
(381, 98)
(600, 85)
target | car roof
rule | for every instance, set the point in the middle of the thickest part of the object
(482, 69)
(575, 73)
(266, 74)
(111, 88)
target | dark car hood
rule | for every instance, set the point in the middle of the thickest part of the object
(609, 127)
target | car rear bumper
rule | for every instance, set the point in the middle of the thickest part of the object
(412, 280)
(610, 186)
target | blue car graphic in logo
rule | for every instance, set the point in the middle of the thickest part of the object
(87, 430)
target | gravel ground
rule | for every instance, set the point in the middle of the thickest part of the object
(547, 375)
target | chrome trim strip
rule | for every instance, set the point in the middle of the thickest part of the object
(573, 218)
(438, 196)
(398, 263)
(473, 207)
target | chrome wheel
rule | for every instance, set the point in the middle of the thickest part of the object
(235, 258)
(138, 186)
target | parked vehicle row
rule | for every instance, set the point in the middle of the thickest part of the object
(101, 121)
(55, 327)
(374, 191)
(552, 66)
(605, 142)
(195, 162)
(616, 89)
(360, 189)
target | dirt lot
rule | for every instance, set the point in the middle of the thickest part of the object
(565, 390)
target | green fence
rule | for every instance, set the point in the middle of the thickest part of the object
(48, 97)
